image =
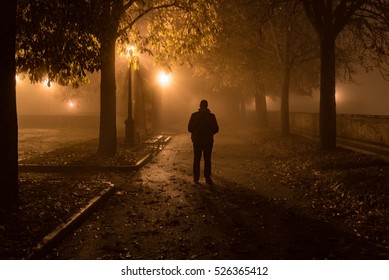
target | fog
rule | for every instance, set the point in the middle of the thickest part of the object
(182, 95)
(177, 100)
(52, 99)
(369, 95)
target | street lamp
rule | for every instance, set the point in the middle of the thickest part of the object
(129, 122)
(164, 78)
(71, 103)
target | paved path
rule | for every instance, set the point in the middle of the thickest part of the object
(158, 213)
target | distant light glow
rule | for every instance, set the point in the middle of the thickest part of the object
(46, 83)
(71, 103)
(164, 78)
(130, 49)
(129, 52)
(339, 95)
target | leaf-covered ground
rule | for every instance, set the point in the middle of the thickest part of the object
(84, 153)
(342, 185)
(46, 200)
(273, 198)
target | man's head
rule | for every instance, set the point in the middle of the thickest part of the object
(204, 104)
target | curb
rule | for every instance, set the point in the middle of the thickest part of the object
(82, 168)
(54, 237)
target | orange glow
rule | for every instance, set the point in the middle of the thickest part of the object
(339, 95)
(164, 78)
(131, 49)
(46, 83)
(129, 52)
(71, 104)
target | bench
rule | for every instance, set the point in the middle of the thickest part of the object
(156, 142)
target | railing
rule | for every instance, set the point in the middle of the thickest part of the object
(364, 133)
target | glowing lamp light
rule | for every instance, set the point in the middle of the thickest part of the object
(46, 83)
(339, 95)
(164, 78)
(130, 50)
(71, 103)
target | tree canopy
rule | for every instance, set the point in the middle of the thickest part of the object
(65, 40)
(53, 43)
(259, 43)
(61, 40)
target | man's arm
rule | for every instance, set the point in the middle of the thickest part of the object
(215, 126)
(191, 124)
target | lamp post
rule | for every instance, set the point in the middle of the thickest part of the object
(129, 122)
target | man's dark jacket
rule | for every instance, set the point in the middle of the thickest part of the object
(203, 126)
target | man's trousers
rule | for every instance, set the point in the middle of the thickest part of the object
(199, 149)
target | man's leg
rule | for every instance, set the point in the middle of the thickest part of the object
(196, 161)
(207, 162)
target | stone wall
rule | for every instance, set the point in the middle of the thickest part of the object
(371, 129)
(361, 132)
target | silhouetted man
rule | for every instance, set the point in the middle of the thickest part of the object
(203, 126)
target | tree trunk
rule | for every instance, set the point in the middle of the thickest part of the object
(285, 130)
(129, 138)
(242, 107)
(107, 140)
(8, 115)
(285, 87)
(327, 121)
(261, 109)
(142, 98)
